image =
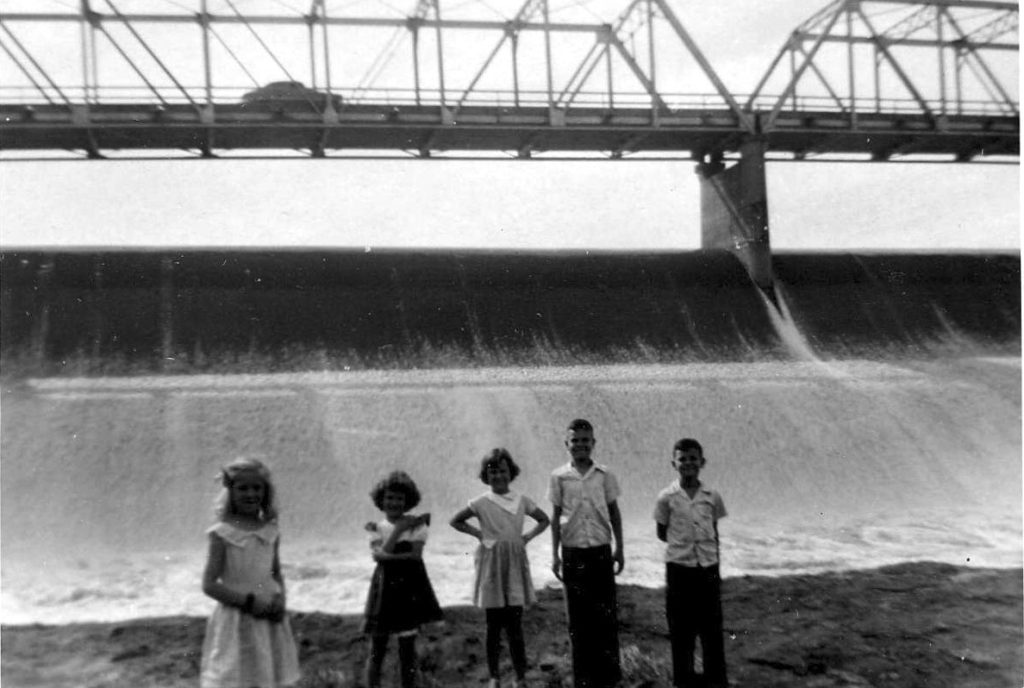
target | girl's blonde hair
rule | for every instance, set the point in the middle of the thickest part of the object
(229, 473)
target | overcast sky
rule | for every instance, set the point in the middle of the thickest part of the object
(512, 203)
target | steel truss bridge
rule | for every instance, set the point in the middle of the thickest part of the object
(873, 79)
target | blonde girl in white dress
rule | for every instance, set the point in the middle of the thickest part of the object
(503, 586)
(249, 642)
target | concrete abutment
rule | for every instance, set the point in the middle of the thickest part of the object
(734, 210)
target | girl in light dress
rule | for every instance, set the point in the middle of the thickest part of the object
(503, 586)
(401, 598)
(249, 642)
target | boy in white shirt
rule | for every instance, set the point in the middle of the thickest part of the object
(584, 523)
(687, 515)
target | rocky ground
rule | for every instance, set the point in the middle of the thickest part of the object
(921, 625)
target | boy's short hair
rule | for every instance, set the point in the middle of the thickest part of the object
(580, 424)
(396, 481)
(494, 458)
(687, 443)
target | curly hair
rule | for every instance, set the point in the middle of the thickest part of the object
(223, 505)
(494, 458)
(396, 481)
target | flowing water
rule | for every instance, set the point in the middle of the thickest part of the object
(826, 460)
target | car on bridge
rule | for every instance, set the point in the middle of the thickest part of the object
(290, 96)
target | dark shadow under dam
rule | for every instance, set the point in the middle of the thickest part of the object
(96, 311)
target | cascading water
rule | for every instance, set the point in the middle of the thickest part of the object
(825, 461)
(782, 320)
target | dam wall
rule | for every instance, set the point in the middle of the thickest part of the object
(877, 422)
(287, 310)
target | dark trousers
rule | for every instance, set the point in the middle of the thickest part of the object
(590, 604)
(693, 605)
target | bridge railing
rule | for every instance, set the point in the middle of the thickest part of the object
(24, 95)
(407, 97)
(883, 106)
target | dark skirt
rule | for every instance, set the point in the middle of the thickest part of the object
(400, 599)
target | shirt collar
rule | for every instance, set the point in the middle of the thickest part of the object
(509, 501)
(677, 486)
(570, 470)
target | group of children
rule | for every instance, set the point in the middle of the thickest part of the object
(249, 641)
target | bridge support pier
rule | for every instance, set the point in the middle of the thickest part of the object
(734, 210)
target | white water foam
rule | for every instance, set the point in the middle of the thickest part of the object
(782, 320)
(334, 577)
(861, 464)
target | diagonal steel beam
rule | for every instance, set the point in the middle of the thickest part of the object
(994, 29)
(638, 72)
(131, 63)
(381, 60)
(893, 62)
(709, 72)
(593, 56)
(259, 39)
(910, 24)
(238, 61)
(524, 13)
(787, 47)
(583, 72)
(411, 24)
(27, 73)
(39, 68)
(838, 10)
(981, 63)
(822, 15)
(974, 67)
(824, 82)
(149, 50)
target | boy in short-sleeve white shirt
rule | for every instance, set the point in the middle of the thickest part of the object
(687, 514)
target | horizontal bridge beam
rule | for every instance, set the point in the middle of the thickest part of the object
(914, 42)
(306, 20)
(424, 129)
(967, 4)
(910, 42)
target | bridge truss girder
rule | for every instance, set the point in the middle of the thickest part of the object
(572, 101)
(938, 58)
(629, 42)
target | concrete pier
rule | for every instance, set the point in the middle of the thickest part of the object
(734, 210)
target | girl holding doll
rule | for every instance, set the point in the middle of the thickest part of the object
(401, 598)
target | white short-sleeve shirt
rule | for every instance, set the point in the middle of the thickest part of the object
(584, 499)
(692, 524)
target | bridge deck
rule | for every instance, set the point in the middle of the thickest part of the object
(520, 130)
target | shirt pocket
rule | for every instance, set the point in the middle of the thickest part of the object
(570, 499)
(704, 520)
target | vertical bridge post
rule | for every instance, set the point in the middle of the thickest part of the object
(734, 210)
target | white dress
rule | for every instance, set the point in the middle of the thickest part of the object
(239, 650)
(502, 568)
